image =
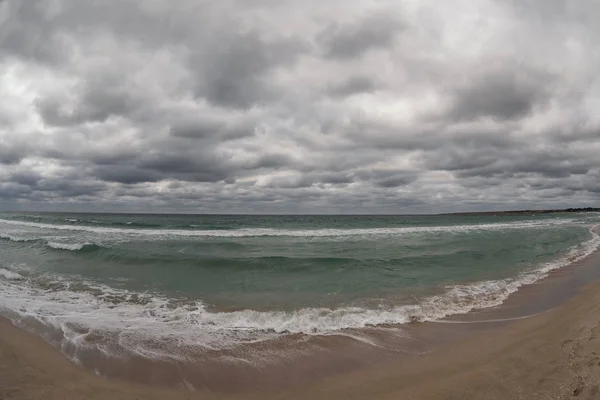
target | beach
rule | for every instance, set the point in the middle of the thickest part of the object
(552, 355)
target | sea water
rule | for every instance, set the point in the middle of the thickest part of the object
(221, 281)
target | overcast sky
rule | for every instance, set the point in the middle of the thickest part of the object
(289, 106)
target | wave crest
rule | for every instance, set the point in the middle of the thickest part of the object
(73, 246)
(11, 275)
(13, 238)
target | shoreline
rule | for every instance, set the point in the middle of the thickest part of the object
(507, 343)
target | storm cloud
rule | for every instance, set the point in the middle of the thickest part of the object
(271, 106)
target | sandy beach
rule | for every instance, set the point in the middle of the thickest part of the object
(552, 355)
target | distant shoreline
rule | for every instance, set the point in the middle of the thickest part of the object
(526, 212)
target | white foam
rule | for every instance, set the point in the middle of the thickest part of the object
(50, 243)
(67, 246)
(487, 321)
(13, 238)
(248, 232)
(11, 274)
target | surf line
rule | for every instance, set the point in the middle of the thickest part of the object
(483, 321)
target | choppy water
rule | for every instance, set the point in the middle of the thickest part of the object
(218, 281)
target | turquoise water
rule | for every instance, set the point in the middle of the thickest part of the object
(229, 279)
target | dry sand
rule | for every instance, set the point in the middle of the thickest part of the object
(555, 355)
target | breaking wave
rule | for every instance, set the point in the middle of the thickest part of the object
(11, 275)
(56, 245)
(72, 246)
(14, 238)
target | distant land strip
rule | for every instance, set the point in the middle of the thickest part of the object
(527, 212)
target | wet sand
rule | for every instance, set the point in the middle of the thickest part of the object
(554, 354)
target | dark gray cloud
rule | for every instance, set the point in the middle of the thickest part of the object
(235, 73)
(352, 86)
(351, 40)
(506, 93)
(11, 154)
(278, 106)
(125, 174)
(213, 128)
(25, 178)
(98, 102)
(394, 181)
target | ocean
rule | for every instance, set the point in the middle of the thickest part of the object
(160, 285)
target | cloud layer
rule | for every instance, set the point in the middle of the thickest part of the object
(265, 106)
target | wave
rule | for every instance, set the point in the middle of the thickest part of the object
(210, 227)
(13, 238)
(132, 224)
(135, 316)
(87, 246)
(8, 274)
(73, 246)
(325, 232)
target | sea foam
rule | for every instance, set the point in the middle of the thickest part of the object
(14, 238)
(70, 246)
(57, 245)
(11, 275)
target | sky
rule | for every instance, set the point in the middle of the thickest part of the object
(288, 106)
